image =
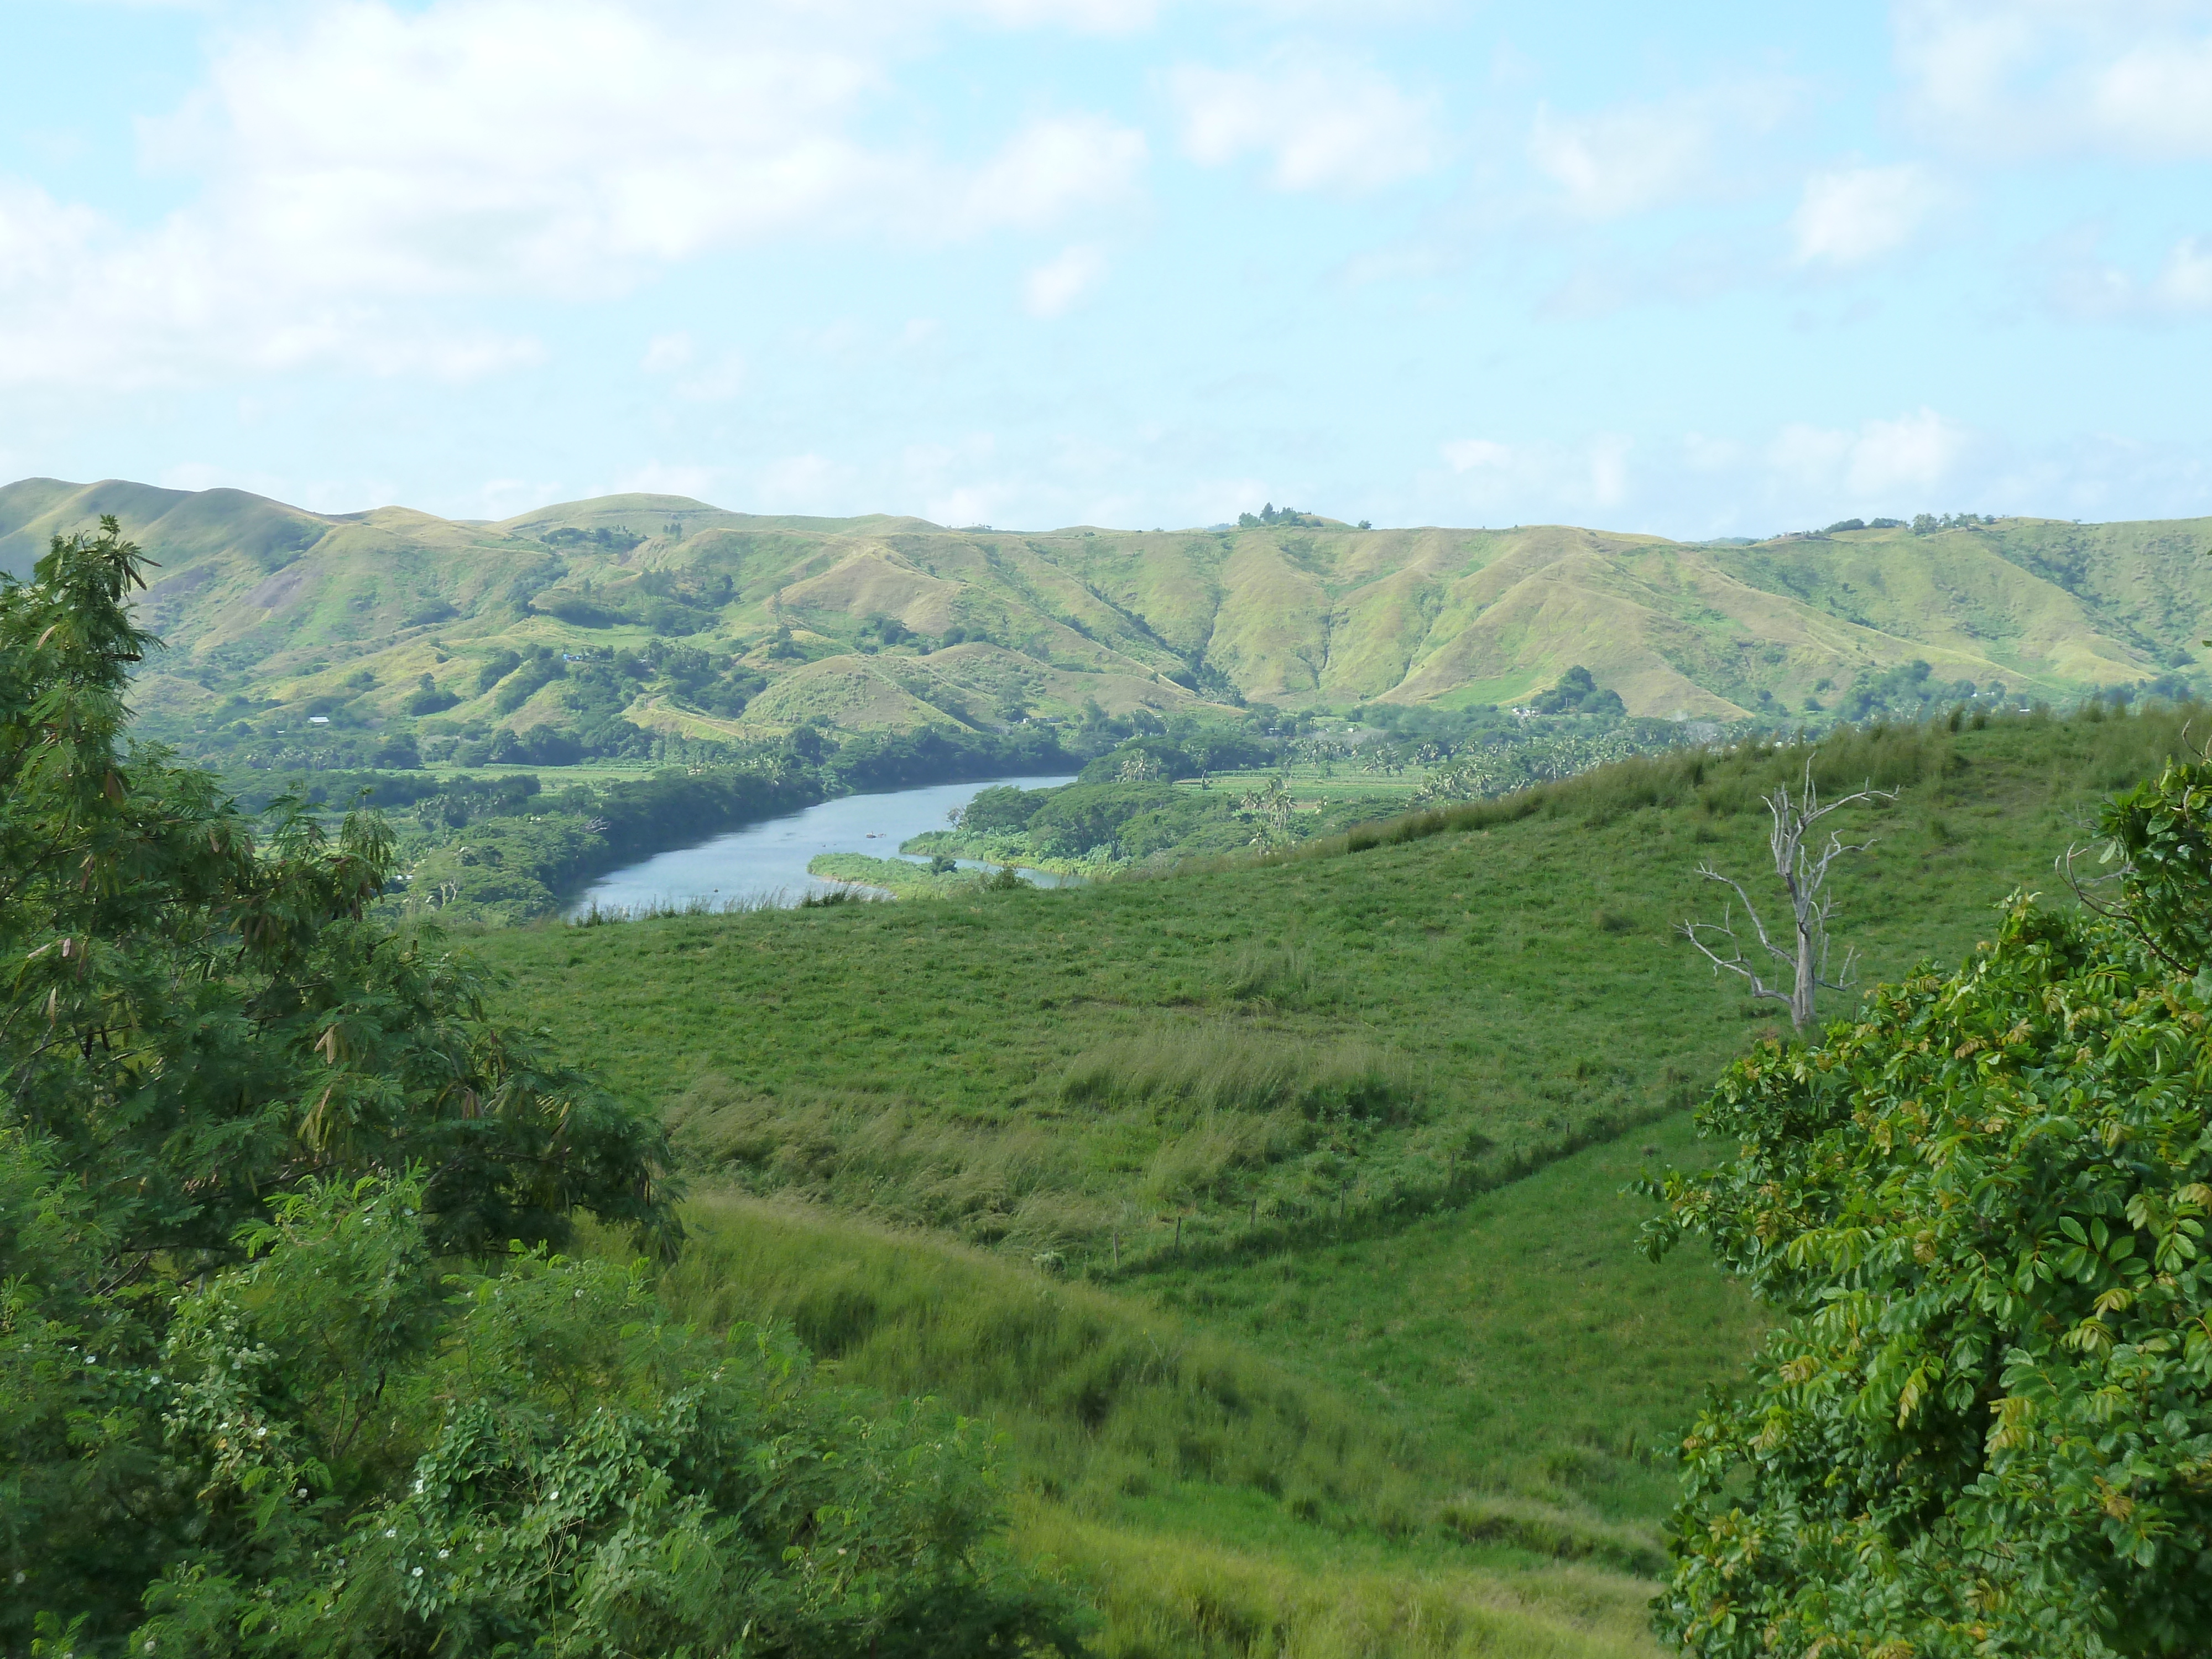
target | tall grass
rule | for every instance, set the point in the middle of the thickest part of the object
(1198, 1107)
(892, 1160)
(1141, 1443)
(667, 906)
(1103, 1401)
(1172, 1595)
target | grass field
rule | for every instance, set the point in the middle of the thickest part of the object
(1274, 1209)
(1246, 1053)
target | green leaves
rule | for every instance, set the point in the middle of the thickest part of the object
(199, 1009)
(252, 1398)
(539, 1457)
(1984, 1422)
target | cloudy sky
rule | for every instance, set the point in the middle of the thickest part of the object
(1718, 270)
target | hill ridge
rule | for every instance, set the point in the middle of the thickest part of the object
(1312, 616)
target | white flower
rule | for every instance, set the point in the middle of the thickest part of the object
(302, 1493)
(391, 1532)
(418, 1572)
(442, 1554)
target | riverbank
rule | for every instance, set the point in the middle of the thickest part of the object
(778, 862)
(901, 877)
(516, 847)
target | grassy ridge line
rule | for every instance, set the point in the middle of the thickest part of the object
(295, 603)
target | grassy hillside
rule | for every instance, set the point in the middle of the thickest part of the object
(1275, 1211)
(1236, 1058)
(1217, 1499)
(276, 615)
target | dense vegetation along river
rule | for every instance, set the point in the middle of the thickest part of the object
(766, 862)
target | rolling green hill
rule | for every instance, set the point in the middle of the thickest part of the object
(1275, 1210)
(397, 622)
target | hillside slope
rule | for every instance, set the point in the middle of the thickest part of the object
(1276, 1209)
(886, 622)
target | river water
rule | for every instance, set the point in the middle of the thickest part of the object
(766, 862)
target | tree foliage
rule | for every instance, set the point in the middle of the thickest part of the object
(199, 1012)
(287, 1363)
(1984, 1423)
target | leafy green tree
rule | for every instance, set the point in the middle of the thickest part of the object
(202, 1016)
(395, 1460)
(1984, 1422)
(254, 1399)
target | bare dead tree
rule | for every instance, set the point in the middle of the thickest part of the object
(1804, 873)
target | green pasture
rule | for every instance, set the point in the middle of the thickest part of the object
(1274, 1209)
(1237, 1056)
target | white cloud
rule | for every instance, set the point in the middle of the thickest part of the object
(2185, 281)
(1058, 283)
(1907, 456)
(1914, 452)
(1049, 168)
(1593, 475)
(1321, 125)
(1477, 454)
(1852, 214)
(2157, 100)
(192, 475)
(709, 378)
(2180, 289)
(2022, 78)
(1609, 470)
(1085, 16)
(503, 498)
(1634, 157)
(811, 482)
(965, 506)
(368, 171)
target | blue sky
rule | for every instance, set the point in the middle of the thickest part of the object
(1719, 270)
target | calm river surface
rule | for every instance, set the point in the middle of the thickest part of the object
(767, 862)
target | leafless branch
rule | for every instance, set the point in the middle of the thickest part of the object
(1804, 875)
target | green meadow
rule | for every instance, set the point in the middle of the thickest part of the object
(1273, 1209)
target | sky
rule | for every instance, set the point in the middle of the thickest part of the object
(1711, 271)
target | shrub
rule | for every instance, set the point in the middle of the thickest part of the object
(1985, 1420)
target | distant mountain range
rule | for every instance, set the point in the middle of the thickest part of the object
(894, 623)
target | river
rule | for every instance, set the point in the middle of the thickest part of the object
(766, 862)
